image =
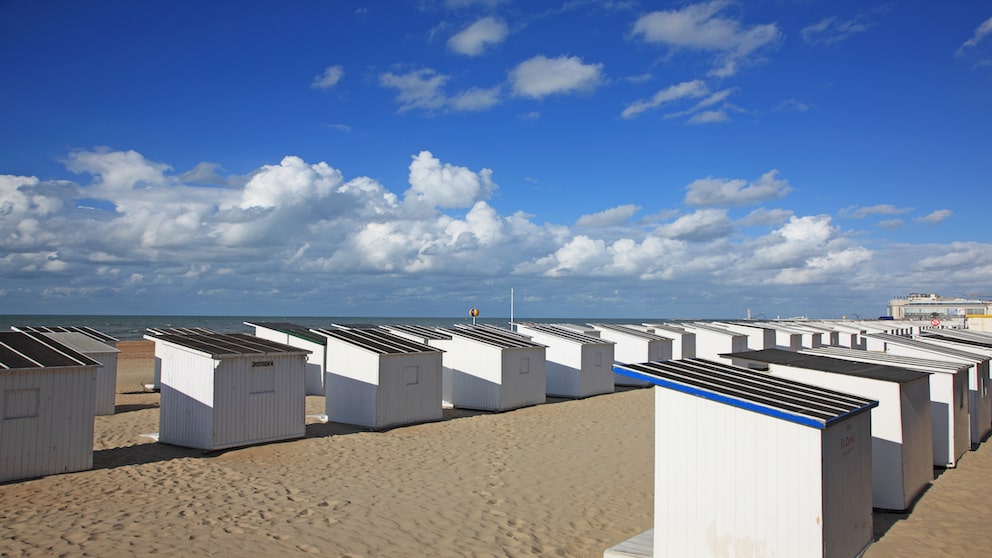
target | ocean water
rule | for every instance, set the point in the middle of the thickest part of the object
(127, 328)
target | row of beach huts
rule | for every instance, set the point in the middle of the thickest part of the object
(775, 437)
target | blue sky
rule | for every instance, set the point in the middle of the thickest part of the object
(419, 158)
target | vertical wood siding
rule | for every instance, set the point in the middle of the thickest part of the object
(106, 382)
(731, 482)
(58, 438)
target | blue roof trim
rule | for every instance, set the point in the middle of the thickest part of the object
(735, 402)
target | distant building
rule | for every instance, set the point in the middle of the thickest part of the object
(926, 306)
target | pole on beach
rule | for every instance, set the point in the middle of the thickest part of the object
(474, 313)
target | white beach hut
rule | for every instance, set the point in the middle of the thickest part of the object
(94, 344)
(295, 335)
(229, 390)
(798, 336)
(106, 375)
(849, 334)
(377, 379)
(712, 340)
(748, 464)
(157, 376)
(491, 369)
(759, 336)
(901, 436)
(47, 401)
(979, 397)
(577, 365)
(634, 344)
(683, 342)
(948, 397)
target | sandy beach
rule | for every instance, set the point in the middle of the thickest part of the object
(567, 478)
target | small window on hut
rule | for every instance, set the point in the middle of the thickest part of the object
(599, 359)
(412, 375)
(525, 365)
(20, 403)
(263, 377)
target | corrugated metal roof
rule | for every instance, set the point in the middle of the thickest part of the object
(377, 340)
(711, 328)
(828, 364)
(631, 331)
(85, 330)
(963, 337)
(29, 350)
(497, 337)
(749, 389)
(563, 333)
(290, 328)
(913, 363)
(179, 331)
(80, 342)
(929, 347)
(419, 331)
(219, 345)
(666, 327)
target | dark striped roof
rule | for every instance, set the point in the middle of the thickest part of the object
(377, 340)
(962, 337)
(564, 333)
(85, 330)
(423, 332)
(490, 335)
(290, 328)
(179, 331)
(630, 331)
(28, 350)
(750, 389)
(828, 364)
(220, 345)
(921, 345)
(913, 363)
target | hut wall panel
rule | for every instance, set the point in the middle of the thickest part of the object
(627, 350)
(472, 374)
(524, 378)
(316, 361)
(788, 340)
(563, 380)
(409, 389)
(981, 395)
(962, 429)
(58, 438)
(730, 482)
(572, 369)
(351, 382)
(946, 418)
(891, 455)
(272, 335)
(846, 473)
(106, 382)
(255, 404)
(917, 434)
(980, 402)
(597, 370)
(186, 404)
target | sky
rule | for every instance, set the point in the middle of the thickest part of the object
(610, 159)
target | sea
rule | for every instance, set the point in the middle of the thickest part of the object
(128, 328)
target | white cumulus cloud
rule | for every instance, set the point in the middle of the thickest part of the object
(701, 27)
(473, 40)
(328, 78)
(705, 192)
(541, 76)
(610, 217)
(446, 185)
